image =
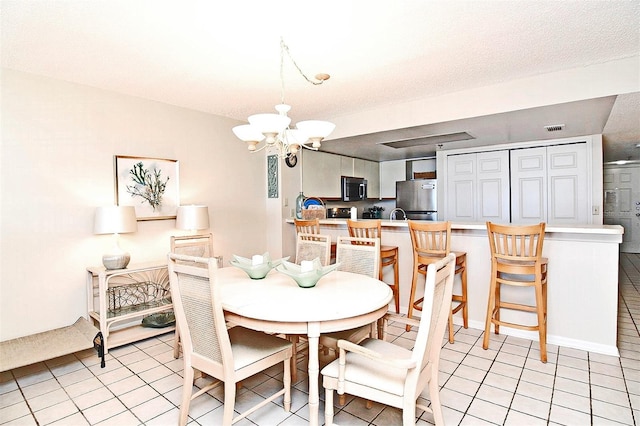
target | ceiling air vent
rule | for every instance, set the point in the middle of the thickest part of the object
(554, 127)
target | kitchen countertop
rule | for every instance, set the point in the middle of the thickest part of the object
(575, 229)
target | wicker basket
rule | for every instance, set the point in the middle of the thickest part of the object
(314, 213)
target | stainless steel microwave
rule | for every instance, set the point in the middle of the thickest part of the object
(354, 188)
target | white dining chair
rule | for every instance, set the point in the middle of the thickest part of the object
(382, 371)
(199, 245)
(360, 256)
(227, 355)
(311, 246)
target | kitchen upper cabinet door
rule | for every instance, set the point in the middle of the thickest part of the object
(321, 174)
(372, 174)
(347, 166)
(492, 180)
(390, 173)
(461, 188)
(528, 185)
(567, 184)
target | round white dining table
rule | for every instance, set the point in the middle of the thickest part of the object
(339, 301)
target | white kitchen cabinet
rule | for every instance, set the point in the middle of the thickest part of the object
(372, 174)
(390, 173)
(346, 166)
(478, 187)
(550, 184)
(321, 173)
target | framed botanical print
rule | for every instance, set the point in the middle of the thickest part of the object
(148, 184)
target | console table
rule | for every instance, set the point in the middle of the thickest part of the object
(118, 299)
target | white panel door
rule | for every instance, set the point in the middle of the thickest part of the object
(461, 188)
(528, 185)
(567, 184)
(493, 187)
(622, 204)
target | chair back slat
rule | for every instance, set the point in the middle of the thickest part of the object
(198, 309)
(365, 228)
(307, 226)
(430, 239)
(516, 242)
(359, 255)
(310, 246)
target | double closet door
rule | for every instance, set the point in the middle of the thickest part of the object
(543, 184)
(550, 184)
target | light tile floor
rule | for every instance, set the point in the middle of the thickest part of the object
(506, 384)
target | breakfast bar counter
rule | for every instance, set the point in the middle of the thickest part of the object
(582, 279)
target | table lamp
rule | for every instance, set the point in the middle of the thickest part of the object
(115, 220)
(192, 217)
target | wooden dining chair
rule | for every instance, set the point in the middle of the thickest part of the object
(381, 371)
(516, 261)
(432, 241)
(199, 245)
(388, 254)
(312, 226)
(227, 355)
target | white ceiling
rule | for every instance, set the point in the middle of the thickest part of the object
(223, 58)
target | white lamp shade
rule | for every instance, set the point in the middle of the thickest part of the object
(115, 220)
(192, 217)
(269, 123)
(316, 128)
(247, 133)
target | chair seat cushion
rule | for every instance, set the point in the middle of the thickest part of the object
(249, 346)
(366, 372)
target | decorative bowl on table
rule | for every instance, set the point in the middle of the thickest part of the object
(258, 266)
(307, 273)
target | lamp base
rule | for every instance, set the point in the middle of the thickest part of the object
(116, 261)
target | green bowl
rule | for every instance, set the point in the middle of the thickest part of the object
(306, 279)
(256, 272)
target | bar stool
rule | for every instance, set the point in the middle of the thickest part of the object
(388, 254)
(431, 242)
(312, 226)
(516, 260)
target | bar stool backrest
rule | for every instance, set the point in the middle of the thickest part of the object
(430, 239)
(307, 226)
(521, 243)
(365, 228)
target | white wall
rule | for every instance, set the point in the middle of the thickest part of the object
(56, 157)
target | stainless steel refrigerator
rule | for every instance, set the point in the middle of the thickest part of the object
(418, 198)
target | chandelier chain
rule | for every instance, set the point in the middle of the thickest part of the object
(285, 49)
